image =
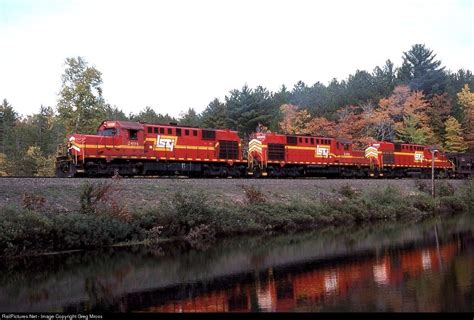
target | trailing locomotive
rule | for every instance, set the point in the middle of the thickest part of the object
(279, 155)
(136, 148)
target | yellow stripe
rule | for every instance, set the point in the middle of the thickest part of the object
(301, 148)
(404, 153)
(194, 147)
(123, 146)
(344, 156)
(97, 146)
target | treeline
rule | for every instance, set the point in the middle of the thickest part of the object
(418, 102)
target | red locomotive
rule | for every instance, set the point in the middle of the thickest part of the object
(279, 155)
(135, 148)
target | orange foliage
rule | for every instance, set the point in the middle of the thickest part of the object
(366, 123)
(294, 120)
(438, 113)
(321, 126)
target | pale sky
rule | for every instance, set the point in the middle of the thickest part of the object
(172, 55)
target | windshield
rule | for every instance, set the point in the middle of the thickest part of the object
(108, 132)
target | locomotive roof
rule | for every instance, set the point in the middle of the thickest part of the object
(138, 125)
(341, 140)
(124, 124)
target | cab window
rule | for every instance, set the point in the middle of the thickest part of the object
(108, 132)
(133, 134)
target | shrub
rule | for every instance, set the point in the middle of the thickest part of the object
(280, 216)
(32, 201)
(423, 202)
(200, 236)
(467, 195)
(235, 220)
(451, 205)
(184, 212)
(154, 234)
(386, 204)
(422, 186)
(253, 195)
(103, 198)
(348, 191)
(83, 231)
(92, 194)
(22, 231)
(444, 188)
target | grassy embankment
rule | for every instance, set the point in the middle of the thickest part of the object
(103, 219)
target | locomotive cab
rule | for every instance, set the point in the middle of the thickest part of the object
(121, 133)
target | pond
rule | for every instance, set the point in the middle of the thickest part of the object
(382, 267)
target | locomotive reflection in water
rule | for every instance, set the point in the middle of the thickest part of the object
(309, 289)
(139, 149)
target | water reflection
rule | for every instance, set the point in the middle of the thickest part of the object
(313, 288)
(427, 267)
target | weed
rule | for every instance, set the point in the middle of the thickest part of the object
(200, 236)
(32, 201)
(253, 195)
(444, 189)
(348, 191)
(154, 234)
(422, 186)
(103, 198)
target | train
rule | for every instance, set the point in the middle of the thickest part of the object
(128, 148)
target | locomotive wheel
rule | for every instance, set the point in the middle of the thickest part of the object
(257, 172)
(65, 170)
(92, 171)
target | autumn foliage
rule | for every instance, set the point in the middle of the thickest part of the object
(404, 116)
(466, 100)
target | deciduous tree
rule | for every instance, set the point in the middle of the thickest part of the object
(466, 100)
(438, 111)
(294, 120)
(81, 106)
(454, 141)
(411, 131)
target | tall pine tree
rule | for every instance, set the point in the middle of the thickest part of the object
(421, 71)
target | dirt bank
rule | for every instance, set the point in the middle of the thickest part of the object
(144, 193)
